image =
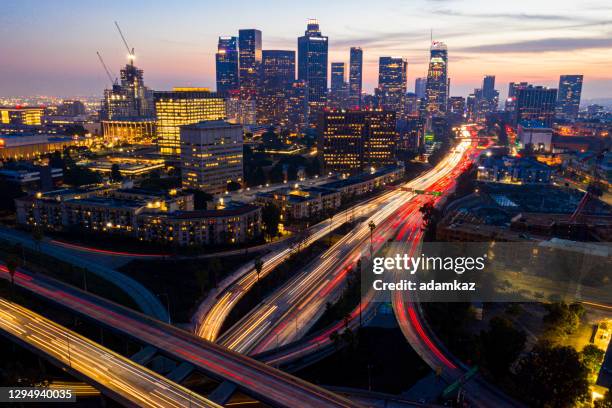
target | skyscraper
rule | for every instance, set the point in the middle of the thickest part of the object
(278, 74)
(392, 72)
(534, 103)
(568, 98)
(249, 42)
(339, 89)
(355, 76)
(312, 66)
(337, 76)
(486, 99)
(420, 87)
(351, 141)
(437, 79)
(227, 66)
(183, 106)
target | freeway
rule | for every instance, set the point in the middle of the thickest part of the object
(257, 379)
(121, 378)
(287, 315)
(146, 301)
(212, 313)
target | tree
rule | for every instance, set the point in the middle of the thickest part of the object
(270, 216)
(115, 173)
(553, 377)
(214, 269)
(258, 267)
(501, 345)
(592, 357)
(37, 236)
(12, 263)
(8, 193)
(563, 319)
(431, 217)
(233, 186)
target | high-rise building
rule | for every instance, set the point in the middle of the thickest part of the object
(532, 103)
(183, 106)
(278, 74)
(354, 140)
(71, 107)
(228, 77)
(568, 98)
(211, 155)
(486, 99)
(312, 66)
(249, 44)
(437, 79)
(297, 107)
(337, 76)
(392, 74)
(456, 105)
(130, 98)
(240, 110)
(338, 96)
(420, 87)
(355, 76)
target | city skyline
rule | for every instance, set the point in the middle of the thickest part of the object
(54, 50)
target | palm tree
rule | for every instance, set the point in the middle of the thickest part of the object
(372, 227)
(12, 262)
(258, 268)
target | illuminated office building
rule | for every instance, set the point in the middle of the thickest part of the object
(532, 103)
(486, 99)
(226, 60)
(278, 74)
(249, 42)
(568, 98)
(211, 155)
(297, 107)
(312, 67)
(392, 83)
(183, 106)
(355, 76)
(338, 92)
(420, 87)
(21, 115)
(351, 141)
(238, 110)
(132, 131)
(436, 92)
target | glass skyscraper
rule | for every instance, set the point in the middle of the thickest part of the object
(337, 76)
(278, 74)
(227, 66)
(249, 43)
(312, 66)
(355, 76)
(534, 103)
(437, 79)
(392, 85)
(568, 98)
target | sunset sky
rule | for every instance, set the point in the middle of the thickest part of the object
(49, 47)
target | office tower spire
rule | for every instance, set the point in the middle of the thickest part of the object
(437, 79)
(312, 66)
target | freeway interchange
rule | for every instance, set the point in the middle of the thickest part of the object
(282, 319)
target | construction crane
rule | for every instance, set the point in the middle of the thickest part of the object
(108, 74)
(130, 51)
